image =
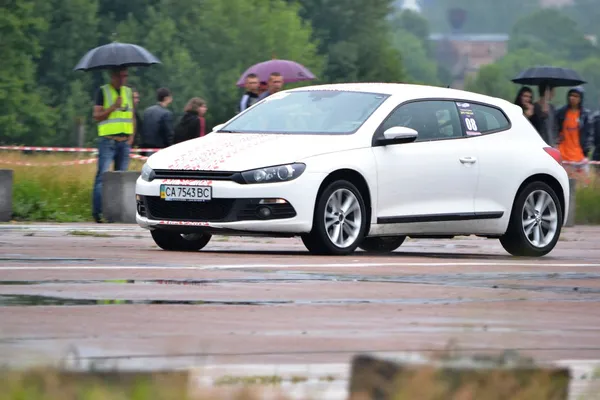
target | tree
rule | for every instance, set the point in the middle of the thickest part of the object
(590, 71)
(419, 67)
(72, 32)
(159, 34)
(355, 37)
(411, 22)
(114, 12)
(24, 118)
(587, 14)
(553, 32)
(225, 38)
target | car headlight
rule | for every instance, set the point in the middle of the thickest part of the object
(147, 173)
(279, 173)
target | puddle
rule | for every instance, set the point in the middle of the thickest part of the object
(489, 280)
(34, 300)
(21, 258)
(37, 300)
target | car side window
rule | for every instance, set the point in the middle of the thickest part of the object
(480, 119)
(432, 119)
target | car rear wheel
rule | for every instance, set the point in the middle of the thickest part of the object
(340, 220)
(382, 244)
(174, 241)
(535, 222)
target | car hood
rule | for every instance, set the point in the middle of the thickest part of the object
(242, 151)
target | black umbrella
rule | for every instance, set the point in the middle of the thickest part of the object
(115, 55)
(552, 76)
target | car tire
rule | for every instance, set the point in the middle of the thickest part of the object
(331, 224)
(174, 241)
(535, 222)
(382, 244)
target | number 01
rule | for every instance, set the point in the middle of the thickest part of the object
(471, 124)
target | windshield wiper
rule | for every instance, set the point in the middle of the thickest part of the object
(227, 131)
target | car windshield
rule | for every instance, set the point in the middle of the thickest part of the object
(313, 112)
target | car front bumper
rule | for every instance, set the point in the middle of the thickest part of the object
(234, 207)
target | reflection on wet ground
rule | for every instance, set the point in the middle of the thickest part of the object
(493, 280)
(36, 300)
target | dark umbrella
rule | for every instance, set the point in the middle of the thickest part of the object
(115, 55)
(290, 70)
(552, 76)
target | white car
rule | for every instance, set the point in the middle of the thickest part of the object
(363, 165)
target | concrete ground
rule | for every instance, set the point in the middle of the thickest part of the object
(105, 294)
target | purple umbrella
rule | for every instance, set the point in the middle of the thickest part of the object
(290, 70)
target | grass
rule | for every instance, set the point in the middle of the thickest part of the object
(50, 385)
(587, 200)
(55, 193)
(62, 193)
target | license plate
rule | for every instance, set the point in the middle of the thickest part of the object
(185, 193)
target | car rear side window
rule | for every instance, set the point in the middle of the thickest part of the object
(479, 119)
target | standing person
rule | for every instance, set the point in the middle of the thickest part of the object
(114, 111)
(138, 119)
(193, 123)
(524, 100)
(544, 115)
(575, 131)
(596, 141)
(158, 122)
(251, 95)
(275, 84)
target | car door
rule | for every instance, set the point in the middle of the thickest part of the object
(495, 145)
(426, 186)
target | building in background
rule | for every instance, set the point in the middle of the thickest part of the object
(464, 54)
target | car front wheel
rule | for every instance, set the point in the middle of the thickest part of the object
(535, 222)
(340, 220)
(174, 241)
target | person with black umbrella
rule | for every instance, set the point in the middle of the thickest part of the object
(114, 110)
(544, 115)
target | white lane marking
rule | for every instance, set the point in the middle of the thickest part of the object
(286, 265)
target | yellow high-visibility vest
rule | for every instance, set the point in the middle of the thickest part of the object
(121, 120)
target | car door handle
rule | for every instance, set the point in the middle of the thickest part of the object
(468, 160)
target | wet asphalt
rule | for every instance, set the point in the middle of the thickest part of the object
(106, 295)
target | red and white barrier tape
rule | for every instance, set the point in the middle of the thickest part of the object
(580, 163)
(134, 156)
(35, 164)
(65, 149)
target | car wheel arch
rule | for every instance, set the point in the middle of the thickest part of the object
(358, 180)
(550, 181)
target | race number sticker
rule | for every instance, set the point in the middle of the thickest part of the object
(468, 117)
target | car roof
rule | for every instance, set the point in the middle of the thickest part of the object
(409, 91)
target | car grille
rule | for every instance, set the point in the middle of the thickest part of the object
(196, 175)
(214, 210)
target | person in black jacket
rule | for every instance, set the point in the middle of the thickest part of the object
(192, 125)
(158, 122)
(596, 139)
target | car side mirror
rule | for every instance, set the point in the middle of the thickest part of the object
(398, 134)
(216, 128)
